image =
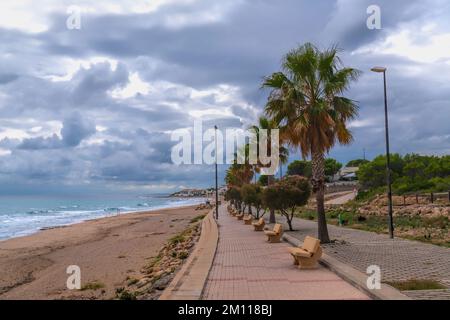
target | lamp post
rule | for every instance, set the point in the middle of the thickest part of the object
(388, 158)
(217, 189)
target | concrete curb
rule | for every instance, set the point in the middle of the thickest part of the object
(189, 281)
(353, 276)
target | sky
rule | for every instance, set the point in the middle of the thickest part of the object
(93, 108)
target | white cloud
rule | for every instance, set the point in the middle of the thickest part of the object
(68, 67)
(136, 85)
(12, 133)
(426, 45)
(4, 152)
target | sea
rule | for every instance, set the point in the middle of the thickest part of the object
(23, 215)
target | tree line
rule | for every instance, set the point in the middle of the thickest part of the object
(410, 173)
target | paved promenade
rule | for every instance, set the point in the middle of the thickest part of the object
(246, 267)
(399, 259)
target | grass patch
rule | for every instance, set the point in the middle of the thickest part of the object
(198, 218)
(94, 285)
(431, 230)
(415, 284)
(368, 195)
(123, 294)
(179, 238)
(306, 214)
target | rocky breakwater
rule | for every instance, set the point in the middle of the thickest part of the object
(157, 275)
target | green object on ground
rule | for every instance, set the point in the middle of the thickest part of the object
(415, 284)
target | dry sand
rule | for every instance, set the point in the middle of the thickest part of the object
(107, 250)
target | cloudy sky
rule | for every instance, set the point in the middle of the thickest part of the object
(94, 107)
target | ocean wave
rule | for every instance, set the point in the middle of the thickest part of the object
(14, 223)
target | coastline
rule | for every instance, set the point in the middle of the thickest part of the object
(86, 215)
(108, 250)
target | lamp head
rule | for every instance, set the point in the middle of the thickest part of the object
(378, 69)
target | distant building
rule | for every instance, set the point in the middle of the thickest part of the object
(191, 193)
(198, 192)
(346, 174)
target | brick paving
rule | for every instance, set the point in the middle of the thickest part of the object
(399, 259)
(429, 294)
(246, 267)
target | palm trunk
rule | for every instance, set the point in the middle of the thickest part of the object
(272, 211)
(318, 182)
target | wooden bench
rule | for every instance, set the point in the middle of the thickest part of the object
(308, 254)
(248, 219)
(239, 216)
(274, 235)
(259, 225)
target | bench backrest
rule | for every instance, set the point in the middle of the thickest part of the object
(311, 244)
(261, 221)
(277, 228)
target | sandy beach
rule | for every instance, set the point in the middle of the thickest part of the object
(108, 250)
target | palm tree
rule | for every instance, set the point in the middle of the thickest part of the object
(306, 101)
(284, 157)
(283, 152)
(239, 174)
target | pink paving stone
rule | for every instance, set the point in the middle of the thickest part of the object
(246, 267)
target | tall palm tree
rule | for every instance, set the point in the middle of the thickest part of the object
(239, 174)
(284, 157)
(283, 152)
(306, 101)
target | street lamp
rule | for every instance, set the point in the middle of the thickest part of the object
(388, 158)
(217, 189)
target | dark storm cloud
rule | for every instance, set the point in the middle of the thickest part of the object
(73, 131)
(97, 80)
(7, 77)
(89, 128)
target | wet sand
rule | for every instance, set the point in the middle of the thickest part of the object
(107, 250)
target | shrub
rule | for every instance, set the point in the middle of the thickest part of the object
(252, 195)
(123, 294)
(234, 195)
(287, 195)
(299, 168)
(197, 218)
(183, 255)
(176, 239)
(94, 285)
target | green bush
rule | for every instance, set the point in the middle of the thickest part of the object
(299, 168)
(410, 173)
(287, 195)
(252, 196)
